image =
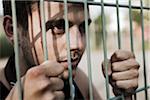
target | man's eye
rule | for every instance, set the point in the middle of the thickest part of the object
(60, 24)
(58, 31)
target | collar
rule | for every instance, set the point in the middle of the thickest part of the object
(10, 71)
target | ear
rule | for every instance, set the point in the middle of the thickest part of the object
(8, 27)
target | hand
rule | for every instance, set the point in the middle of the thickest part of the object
(42, 82)
(123, 72)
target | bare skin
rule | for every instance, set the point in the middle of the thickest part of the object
(45, 81)
(123, 73)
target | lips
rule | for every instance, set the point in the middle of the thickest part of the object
(75, 58)
(74, 63)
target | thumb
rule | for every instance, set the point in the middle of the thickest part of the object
(106, 64)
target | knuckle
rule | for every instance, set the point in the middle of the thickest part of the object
(114, 77)
(135, 83)
(122, 85)
(132, 84)
(63, 95)
(138, 65)
(117, 53)
(118, 84)
(59, 95)
(48, 95)
(43, 85)
(34, 72)
(127, 87)
(114, 66)
(135, 73)
(134, 63)
(62, 84)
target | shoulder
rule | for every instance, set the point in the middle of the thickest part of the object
(81, 80)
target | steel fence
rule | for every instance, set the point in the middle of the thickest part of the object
(86, 3)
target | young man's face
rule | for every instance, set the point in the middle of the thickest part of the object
(55, 34)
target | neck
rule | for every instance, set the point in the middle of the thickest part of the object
(10, 71)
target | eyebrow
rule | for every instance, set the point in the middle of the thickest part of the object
(89, 22)
(49, 24)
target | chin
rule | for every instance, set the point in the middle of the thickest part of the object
(66, 74)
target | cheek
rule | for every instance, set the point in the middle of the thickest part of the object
(38, 51)
(51, 46)
(83, 39)
(55, 45)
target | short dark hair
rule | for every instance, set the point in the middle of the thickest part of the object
(23, 8)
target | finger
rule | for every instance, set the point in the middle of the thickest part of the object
(59, 95)
(107, 64)
(125, 65)
(52, 68)
(125, 75)
(127, 93)
(56, 84)
(127, 84)
(121, 55)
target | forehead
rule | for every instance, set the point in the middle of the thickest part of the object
(56, 9)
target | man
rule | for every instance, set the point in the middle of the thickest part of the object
(47, 80)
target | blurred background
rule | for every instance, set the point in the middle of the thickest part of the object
(97, 54)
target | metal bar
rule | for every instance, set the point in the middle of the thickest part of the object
(105, 49)
(105, 4)
(136, 91)
(72, 92)
(143, 50)
(88, 49)
(119, 36)
(131, 28)
(131, 32)
(118, 25)
(16, 49)
(116, 98)
(43, 30)
(141, 89)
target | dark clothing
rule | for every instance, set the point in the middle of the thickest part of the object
(10, 74)
(78, 95)
(3, 91)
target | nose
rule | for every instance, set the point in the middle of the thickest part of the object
(76, 39)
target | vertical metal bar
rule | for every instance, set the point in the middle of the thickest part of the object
(143, 51)
(118, 25)
(88, 49)
(105, 49)
(131, 29)
(72, 92)
(43, 30)
(131, 33)
(119, 35)
(16, 49)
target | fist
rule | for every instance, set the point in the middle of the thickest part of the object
(42, 82)
(123, 72)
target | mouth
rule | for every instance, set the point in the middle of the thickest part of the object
(74, 63)
(75, 58)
